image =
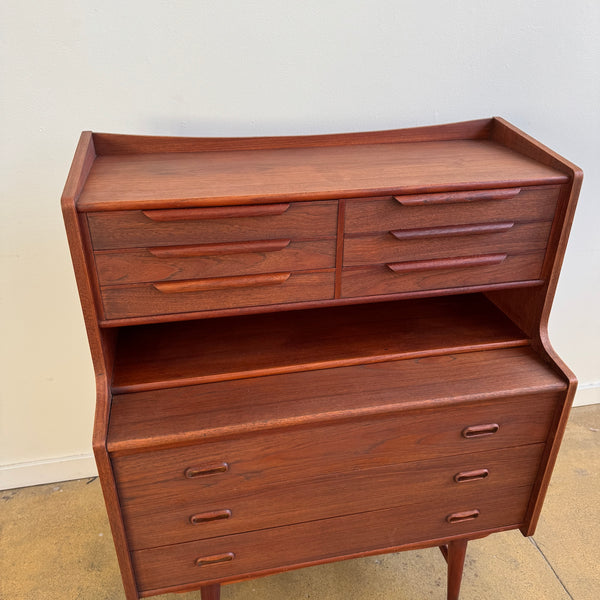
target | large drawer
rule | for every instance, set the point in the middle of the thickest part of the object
(171, 297)
(138, 229)
(366, 215)
(508, 237)
(268, 458)
(248, 506)
(234, 556)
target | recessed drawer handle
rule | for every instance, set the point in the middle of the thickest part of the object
(471, 475)
(215, 212)
(446, 263)
(218, 249)
(461, 517)
(476, 229)
(220, 283)
(452, 197)
(192, 472)
(207, 517)
(475, 431)
(214, 560)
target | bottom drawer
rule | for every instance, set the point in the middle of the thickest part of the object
(235, 556)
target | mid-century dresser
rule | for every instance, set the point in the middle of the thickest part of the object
(314, 348)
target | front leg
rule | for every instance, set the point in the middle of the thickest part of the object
(454, 553)
(211, 592)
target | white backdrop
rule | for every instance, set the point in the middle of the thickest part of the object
(272, 67)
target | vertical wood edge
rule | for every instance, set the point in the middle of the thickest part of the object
(82, 163)
(109, 487)
(339, 248)
(102, 350)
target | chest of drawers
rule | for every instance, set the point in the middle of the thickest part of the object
(315, 348)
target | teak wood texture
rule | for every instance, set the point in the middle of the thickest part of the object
(313, 348)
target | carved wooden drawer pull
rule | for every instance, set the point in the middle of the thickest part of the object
(452, 197)
(221, 283)
(207, 517)
(461, 517)
(446, 263)
(215, 212)
(219, 249)
(475, 431)
(471, 475)
(452, 230)
(205, 561)
(193, 472)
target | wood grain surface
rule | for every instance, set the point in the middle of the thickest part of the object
(316, 173)
(229, 408)
(180, 354)
(371, 418)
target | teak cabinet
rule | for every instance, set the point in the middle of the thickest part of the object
(319, 347)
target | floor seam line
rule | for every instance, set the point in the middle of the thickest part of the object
(532, 540)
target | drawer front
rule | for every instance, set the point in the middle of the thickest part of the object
(442, 273)
(212, 512)
(367, 215)
(215, 293)
(268, 458)
(166, 263)
(212, 225)
(234, 556)
(508, 237)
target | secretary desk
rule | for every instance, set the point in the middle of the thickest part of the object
(314, 348)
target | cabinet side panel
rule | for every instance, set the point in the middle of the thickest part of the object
(102, 344)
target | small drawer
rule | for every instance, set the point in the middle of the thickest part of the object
(217, 293)
(211, 511)
(508, 237)
(234, 556)
(212, 225)
(369, 215)
(169, 263)
(437, 274)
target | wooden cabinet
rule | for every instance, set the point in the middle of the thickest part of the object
(316, 348)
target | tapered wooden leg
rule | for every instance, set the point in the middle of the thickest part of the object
(454, 553)
(211, 592)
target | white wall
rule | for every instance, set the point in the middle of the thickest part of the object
(206, 68)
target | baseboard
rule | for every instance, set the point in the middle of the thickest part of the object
(587, 393)
(38, 472)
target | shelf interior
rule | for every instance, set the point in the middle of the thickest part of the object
(168, 355)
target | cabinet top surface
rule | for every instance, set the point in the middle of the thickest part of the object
(177, 179)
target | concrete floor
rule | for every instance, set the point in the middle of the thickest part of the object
(56, 544)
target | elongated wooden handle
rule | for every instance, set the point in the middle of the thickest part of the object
(475, 431)
(220, 283)
(466, 476)
(451, 230)
(207, 517)
(461, 517)
(193, 472)
(446, 263)
(453, 197)
(216, 559)
(215, 212)
(218, 249)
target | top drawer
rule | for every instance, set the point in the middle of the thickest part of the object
(141, 228)
(366, 215)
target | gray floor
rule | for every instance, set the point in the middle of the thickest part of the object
(55, 544)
